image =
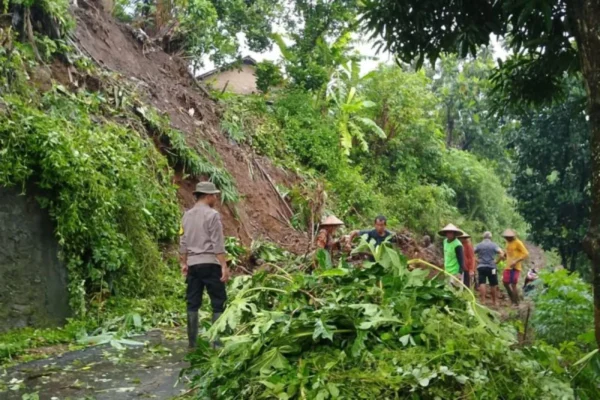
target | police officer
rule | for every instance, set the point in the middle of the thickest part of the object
(202, 257)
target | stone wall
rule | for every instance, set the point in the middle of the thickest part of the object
(33, 282)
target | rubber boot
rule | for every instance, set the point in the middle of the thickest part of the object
(217, 343)
(192, 328)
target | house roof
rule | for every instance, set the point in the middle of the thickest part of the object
(245, 61)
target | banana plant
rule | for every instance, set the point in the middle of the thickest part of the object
(347, 107)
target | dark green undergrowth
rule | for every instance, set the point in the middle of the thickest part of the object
(564, 319)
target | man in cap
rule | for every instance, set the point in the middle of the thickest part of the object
(516, 252)
(202, 257)
(379, 234)
(486, 253)
(469, 258)
(453, 252)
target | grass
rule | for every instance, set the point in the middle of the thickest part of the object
(16, 345)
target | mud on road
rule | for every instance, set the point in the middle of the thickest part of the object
(103, 373)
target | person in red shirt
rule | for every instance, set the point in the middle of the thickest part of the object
(469, 256)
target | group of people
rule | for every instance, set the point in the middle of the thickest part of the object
(474, 266)
(463, 261)
(204, 264)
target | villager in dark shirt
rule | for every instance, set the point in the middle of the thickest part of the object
(379, 234)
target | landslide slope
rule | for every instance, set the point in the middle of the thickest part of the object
(165, 83)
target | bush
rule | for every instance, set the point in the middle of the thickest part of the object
(564, 317)
(480, 196)
(268, 75)
(310, 134)
(381, 331)
(563, 307)
(424, 208)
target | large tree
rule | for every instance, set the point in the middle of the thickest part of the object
(556, 37)
(553, 190)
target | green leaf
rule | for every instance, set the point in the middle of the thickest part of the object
(359, 343)
(405, 339)
(270, 360)
(333, 272)
(586, 357)
(378, 321)
(372, 125)
(323, 330)
(137, 321)
(324, 259)
(333, 390)
(368, 309)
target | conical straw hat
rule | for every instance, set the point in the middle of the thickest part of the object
(464, 235)
(450, 228)
(331, 220)
(509, 233)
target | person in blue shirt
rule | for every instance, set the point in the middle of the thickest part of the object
(379, 234)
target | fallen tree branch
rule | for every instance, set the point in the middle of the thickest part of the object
(287, 207)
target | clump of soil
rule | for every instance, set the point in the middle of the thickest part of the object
(414, 248)
(165, 82)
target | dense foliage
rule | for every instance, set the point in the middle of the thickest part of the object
(377, 331)
(564, 318)
(554, 190)
(563, 308)
(268, 75)
(378, 141)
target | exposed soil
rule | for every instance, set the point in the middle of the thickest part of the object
(165, 82)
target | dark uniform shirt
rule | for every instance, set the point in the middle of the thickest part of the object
(373, 235)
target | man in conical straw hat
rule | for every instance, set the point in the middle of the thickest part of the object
(325, 237)
(516, 253)
(453, 251)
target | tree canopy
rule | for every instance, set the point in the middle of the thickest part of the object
(553, 191)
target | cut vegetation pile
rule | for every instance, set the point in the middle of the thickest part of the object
(382, 330)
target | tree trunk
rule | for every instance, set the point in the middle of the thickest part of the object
(573, 263)
(449, 127)
(563, 256)
(587, 16)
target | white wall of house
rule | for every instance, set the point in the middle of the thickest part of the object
(241, 80)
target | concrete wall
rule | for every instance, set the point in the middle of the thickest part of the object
(33, 282)
(240, 81)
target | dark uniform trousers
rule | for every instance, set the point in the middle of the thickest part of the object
(207, 276)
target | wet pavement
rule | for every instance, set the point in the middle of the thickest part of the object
(102, 373)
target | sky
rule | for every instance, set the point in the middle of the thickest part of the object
(364, 47)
